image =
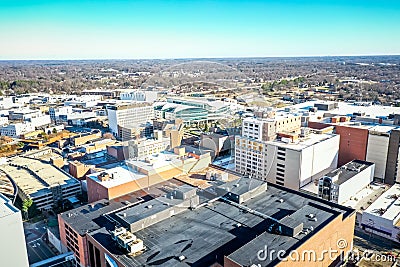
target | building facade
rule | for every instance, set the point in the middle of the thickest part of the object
(13, 250)
(129, 115)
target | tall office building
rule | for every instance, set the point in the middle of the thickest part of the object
(13, 248)
(279, 151)
(133, 114)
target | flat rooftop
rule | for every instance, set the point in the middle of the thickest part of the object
(32, 175)
(347, 171)
(219, 228)
(88, 218)
(363, 199)
(347, 108)
(303, 142)
(278, 116)
(389, 203)
(6, 206)
(160, 160)
(118, 175)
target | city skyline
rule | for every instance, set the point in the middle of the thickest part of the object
(196, 29)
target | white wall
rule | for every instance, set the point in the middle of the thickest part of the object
(13, 249)
(355, 184)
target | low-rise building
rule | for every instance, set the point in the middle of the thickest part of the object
(17, 129)
(225, 225)
(82, 139)
(145, 147)
(345, 182)
(141, 173)
(42, 182)
(383, 216)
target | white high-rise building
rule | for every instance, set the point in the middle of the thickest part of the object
(139, 95)
(288, 159)
(129, 115)
(13, 247)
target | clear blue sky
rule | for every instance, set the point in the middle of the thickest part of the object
(97, 29)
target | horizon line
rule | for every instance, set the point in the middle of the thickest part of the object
(190, 58)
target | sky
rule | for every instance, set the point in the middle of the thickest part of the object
(140, 29)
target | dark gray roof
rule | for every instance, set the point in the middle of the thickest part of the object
(217, 229)
(88, 218)
(242, 185)
(82, 219)
(143, 211)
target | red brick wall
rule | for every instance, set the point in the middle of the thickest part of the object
(95, 191)
(353, 144)
(353, 141)
(82, 244)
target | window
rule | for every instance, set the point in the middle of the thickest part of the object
(280, 165)
(280, 170)
(281, 154)
(280, 183)
(281, 158)
(280, 179)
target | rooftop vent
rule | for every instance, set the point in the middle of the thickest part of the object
(280, 200)
(181, 258)
(149, 206)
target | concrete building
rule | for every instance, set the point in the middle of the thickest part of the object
(82, 139)
(3, 120)
(23, 114)
(371, 142)
(104, 93)
(118, 151)
(78, 169)
(56, 112)
(220, 144)
(139, 95)
(225, 225)
(6, 102)
(292, 164)
(40, 121)
(143, 173)
(133, 114)
(353, 141)
(377, 148)
(96, 145)
(145, 147)
(392, 171)
(44, 183)
(263, 129)
(74, 225)
(383, 216)
(172, 129)
(16, 129)
(367, 132)
(84, 101)
(345, 182)
(13, 249)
